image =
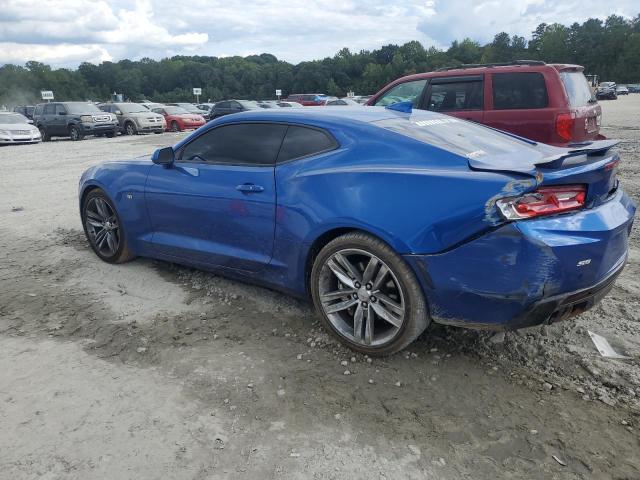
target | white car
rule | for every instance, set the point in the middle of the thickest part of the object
(16, 128)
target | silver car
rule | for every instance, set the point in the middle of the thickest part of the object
(16, 128)
(135, 118)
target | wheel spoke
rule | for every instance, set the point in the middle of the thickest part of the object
(111, 242)
(396, 307)
(325, 297)
(339, 272)
(336, 307)
(367, 276)
(93, 215)
(100, 205)
(368, 329)
(353, 271)
(100, 238)
(382, 273)
(386, 315)
(357, 322)
(94, 223)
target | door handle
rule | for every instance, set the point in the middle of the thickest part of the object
(250, 188)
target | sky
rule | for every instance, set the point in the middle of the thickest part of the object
(64, 33)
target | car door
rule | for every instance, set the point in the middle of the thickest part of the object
(60, 120)
(216, 204)
(459, 96)
(411, 91)
(221, 108)
(47, 117)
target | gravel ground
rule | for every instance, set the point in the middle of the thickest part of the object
(150, 370)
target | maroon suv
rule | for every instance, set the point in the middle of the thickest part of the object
(307, 99)
(549, 103)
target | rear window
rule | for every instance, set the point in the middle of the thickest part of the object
(577, 87)
(519, 91)
(454, 135)
(302, 142)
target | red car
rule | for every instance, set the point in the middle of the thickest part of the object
(548, 103)
(179, 119)
(307, 99)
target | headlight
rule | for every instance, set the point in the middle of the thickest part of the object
(114, 118)
(86, 118)
(4, 132)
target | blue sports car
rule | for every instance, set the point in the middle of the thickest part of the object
(387, 219)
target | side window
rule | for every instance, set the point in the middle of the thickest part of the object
(158, 110)
(452, 96)
(302, 141)
(38, 110)
(404, 92)
(60, 109)
(519, 91)
(237, 144)
(235, 106)
(49, 109)
(222, 105)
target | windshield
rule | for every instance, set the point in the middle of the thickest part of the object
(131, 108)
(13, 118)
(82, 107)
(175, 110)
(577, 87)
(249, 104)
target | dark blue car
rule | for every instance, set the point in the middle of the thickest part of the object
(387, 220)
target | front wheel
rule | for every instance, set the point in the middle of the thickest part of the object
(43, 134)
(175, 127)
(103, 228)
(74, 133)
(367, 295)
(130, 129)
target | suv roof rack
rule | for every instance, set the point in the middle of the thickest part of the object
(504, 64)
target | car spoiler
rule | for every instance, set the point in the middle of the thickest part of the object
(546, 156)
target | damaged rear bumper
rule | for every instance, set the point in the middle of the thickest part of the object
(531, 272)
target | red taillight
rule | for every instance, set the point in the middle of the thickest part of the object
(564, 126)
(544, 201)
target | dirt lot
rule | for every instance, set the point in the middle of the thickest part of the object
(150, 370)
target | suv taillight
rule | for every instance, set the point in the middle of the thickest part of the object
(544, 201)
(564, 126)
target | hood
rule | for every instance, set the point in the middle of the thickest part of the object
(17, 126)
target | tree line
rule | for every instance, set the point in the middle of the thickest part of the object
(609, 49)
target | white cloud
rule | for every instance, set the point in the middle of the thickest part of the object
(66, 32)
(481, 20)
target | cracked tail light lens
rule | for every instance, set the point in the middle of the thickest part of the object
(544, 201)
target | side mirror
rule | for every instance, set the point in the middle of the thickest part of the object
(62, 113)
(164, 156)
(118, 112)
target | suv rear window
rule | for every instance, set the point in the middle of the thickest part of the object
(577, 87)
(519, 91)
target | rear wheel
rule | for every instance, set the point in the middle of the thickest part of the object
(175, 127)
(103, 228)
(367, 295)
(74, 133)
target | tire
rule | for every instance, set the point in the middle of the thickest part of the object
(130, 129)
(110, 242)
(75, 134)
(175, 127)
(404, 305)
(110, 134)
(43, 134)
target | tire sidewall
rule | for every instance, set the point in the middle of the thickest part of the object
(115, 258)
(416, 316)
